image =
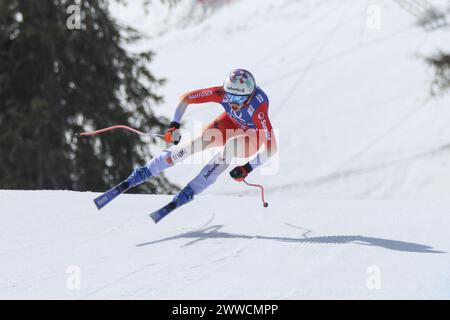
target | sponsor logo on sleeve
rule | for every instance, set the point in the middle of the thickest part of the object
(264, 125)
(200, 94)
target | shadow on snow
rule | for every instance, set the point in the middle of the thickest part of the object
(213, 232)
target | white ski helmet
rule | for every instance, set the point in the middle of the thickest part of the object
(240, 82)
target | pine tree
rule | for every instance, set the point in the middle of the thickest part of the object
(55, 82)
(441, 65)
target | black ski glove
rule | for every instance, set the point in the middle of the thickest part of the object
(239, 173)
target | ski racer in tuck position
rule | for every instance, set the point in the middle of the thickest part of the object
(241, 130)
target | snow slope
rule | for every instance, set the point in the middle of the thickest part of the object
(293, 249)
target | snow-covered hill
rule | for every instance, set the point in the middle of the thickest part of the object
(205, 250)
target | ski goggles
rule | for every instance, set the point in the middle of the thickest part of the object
(235, 99)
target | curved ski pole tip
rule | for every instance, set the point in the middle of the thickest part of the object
(265, 204)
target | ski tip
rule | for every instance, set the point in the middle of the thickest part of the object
(101, 201)
(155, 216)
(164, 211)
(96, 204)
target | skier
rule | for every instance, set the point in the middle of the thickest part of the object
(241, 130)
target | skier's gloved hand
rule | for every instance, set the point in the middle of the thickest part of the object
(239, 173)
(173, 133)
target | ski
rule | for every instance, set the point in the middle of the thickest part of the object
(164, 211)
(111, 194)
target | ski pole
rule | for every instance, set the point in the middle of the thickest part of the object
(93, 133)
(265, 204)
